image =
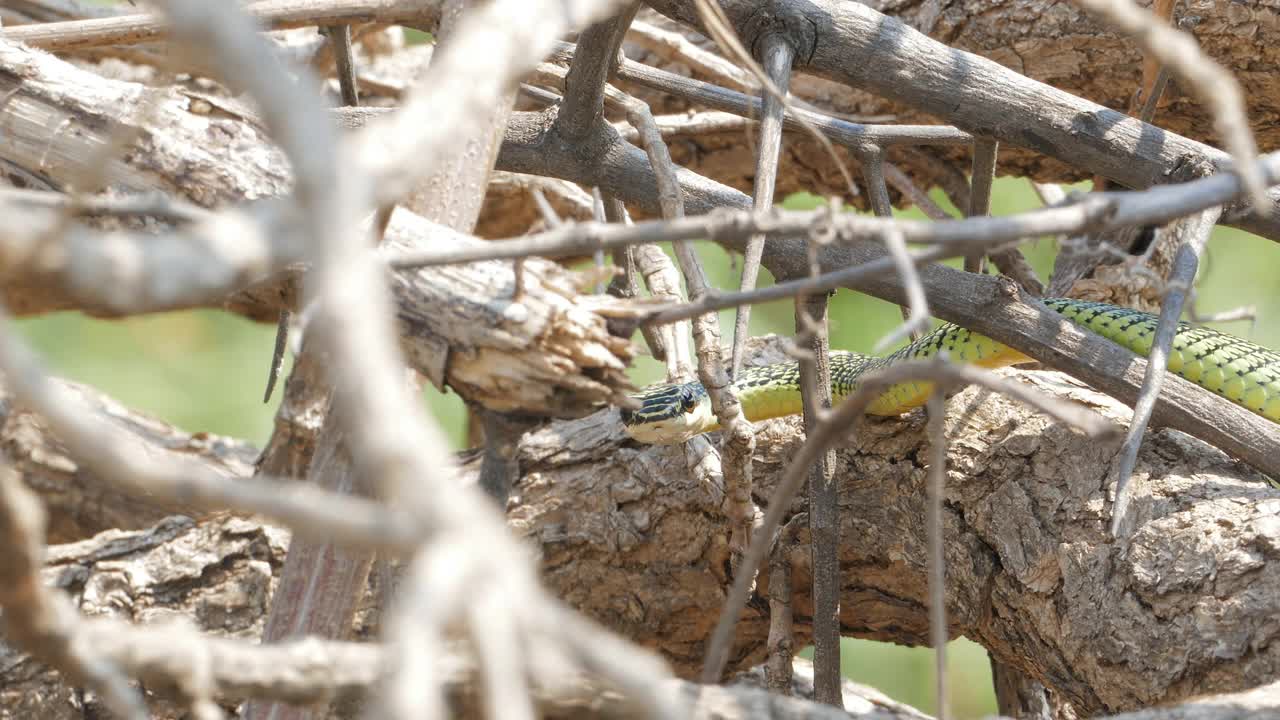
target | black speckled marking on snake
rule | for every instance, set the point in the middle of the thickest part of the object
(1238, 370)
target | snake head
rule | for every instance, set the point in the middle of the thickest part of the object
(669, 414)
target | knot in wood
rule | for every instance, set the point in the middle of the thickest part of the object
(774, 18)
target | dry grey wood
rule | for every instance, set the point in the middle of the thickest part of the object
(976, 94)
(981, 303)
(1191, 235)
(824, 501)
(777, 55)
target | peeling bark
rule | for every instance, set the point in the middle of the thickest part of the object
(548, 353)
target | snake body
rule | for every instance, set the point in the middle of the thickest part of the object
(1238, 370)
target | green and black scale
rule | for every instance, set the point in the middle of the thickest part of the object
(1238, 370)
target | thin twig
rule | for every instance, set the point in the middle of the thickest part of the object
(938, 635)
(1096, 210)
(274, 14)
(908, 188)
(277, 353)
(1152, 100)
(1237, 314)
(548, 213)
(916, 312)
(1195, 232)
(781, 641)
(984, 173)
(675, 46)
(668, 344)
(778, 55)
(739, 438)
(344, 60)
(709, 122)
(822, 283)
(845, 132)
(872, 159)
(154, 205)
(722, 31)
(824, 507)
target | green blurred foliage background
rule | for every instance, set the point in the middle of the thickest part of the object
(205, 371)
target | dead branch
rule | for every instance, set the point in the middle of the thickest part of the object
(276, 14)
(226, 578)
(974, 93)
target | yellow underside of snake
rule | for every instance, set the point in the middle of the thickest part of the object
(1240, 371)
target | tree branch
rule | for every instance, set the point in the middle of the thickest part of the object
(1034, 575)
(978, 95)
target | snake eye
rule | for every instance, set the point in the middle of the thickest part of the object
(687, 400)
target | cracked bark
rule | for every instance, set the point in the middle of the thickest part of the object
(627, 536)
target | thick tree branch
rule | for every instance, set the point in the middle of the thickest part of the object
(1034, 575)
(857, 46)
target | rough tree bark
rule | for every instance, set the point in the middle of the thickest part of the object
(1182, 609)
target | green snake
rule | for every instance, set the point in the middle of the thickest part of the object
(1238, 370)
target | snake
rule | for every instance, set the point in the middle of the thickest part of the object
(1245, 373)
